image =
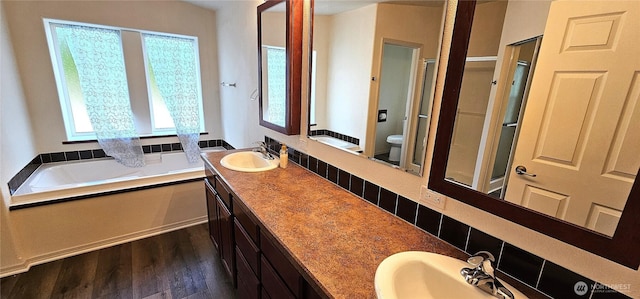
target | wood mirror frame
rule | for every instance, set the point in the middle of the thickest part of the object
(294, 18)
(622, 248)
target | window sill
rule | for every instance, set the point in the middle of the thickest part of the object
(141, 137)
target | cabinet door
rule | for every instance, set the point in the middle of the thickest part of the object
(226, 247)
(212, 214)
(248, 284)
(272, 283)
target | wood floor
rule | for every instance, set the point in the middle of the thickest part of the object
(179, 264)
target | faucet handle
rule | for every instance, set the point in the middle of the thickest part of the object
(480, 257)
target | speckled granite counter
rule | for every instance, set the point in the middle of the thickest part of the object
(337, 238)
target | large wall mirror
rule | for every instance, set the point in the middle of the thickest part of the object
(540, 117)
(372, 77)
(279, 64)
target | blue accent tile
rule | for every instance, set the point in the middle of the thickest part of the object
(520, 264)
(57, 157)
(371, 191)
(559, 282)
(428, 219)
(479, 241)
(98, 153)
(406, 209)
(388, 200)
(332, 174)
(343, 179)
(313, 164)
(72, 156)
(322, 169)
(454, 232)
(357, 185)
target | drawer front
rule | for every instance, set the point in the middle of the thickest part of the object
(209, 176)
(282, 266)
(248, 248)
(248, 284)
(223, 192)
(272, 283)
(250, 227)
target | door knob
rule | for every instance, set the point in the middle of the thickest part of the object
(521, 170)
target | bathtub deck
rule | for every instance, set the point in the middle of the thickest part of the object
(177, 264)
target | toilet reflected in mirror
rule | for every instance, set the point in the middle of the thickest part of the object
(396, 146)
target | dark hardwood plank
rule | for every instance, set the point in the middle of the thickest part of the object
(37, 283)
(179, 264)
(148, 268)
(218, 282)
(182, 265)
(76, 277)
(6, 285)
(114, 273)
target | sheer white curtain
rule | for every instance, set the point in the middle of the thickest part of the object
(276, 82)
(173, 63)
(97, 54)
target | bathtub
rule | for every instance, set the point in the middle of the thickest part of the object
(339, 143)
(83, 179)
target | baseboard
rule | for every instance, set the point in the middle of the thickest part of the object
(60, 254)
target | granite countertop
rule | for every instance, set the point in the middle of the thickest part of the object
(337, 238)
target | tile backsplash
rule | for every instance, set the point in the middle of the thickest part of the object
(544, 276)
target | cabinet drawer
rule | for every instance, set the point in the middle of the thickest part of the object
(223, 192)
(209, 176)
(248, 248)
(272, 283)
(248, 284)
(250, 227)
(282, 266)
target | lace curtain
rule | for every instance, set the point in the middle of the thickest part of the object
(173, 63)
(98, 57)
(276, 83)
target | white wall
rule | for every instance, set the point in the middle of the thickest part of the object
(349, 71)
(24, 19)
(16, 144)
(236, 30)
(30, 123)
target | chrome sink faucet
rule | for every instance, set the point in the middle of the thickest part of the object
(482, 275)
(262, 148)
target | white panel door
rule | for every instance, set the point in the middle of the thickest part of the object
(580, 133)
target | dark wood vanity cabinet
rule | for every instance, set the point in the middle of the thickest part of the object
(258, 268)
(221, 230)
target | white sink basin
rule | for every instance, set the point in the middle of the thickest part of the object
(424, 275)
(248, 162)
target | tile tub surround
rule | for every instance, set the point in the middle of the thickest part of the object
(336, 238)
(539, 274)
(337, 135)
(25, 172)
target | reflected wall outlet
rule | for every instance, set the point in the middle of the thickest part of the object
(432, 199)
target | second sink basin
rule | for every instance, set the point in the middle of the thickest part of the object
(248, 162)
(424, 275)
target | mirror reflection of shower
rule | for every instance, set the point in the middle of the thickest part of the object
(404, 105)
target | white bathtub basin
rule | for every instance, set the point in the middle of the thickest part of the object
(426, 275)
(248, 162)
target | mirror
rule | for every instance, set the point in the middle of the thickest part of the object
(546, 98)
(372, 78)
(279, 64)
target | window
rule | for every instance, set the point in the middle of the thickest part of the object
(152, 114)
(276, 85)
